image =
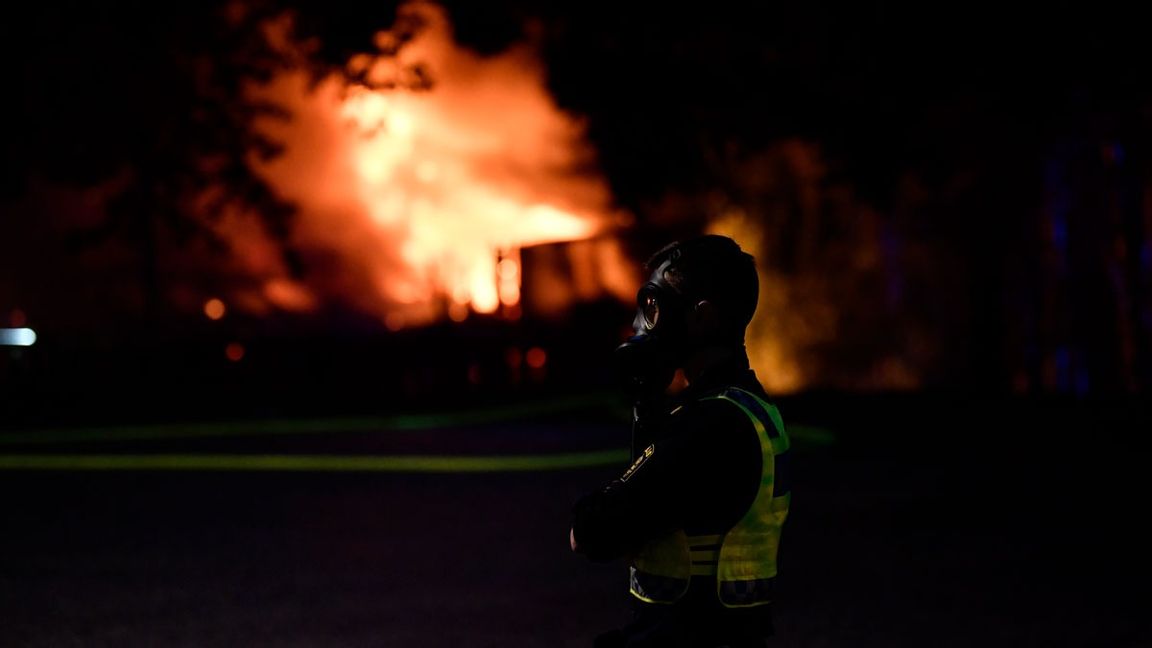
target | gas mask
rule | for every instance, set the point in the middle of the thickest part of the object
(648, 360)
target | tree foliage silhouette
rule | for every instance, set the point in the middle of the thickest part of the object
(151, 100)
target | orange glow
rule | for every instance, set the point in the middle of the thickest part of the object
(772, 344)
(234, 351)
(394, 321)
(508, 277)
(536, 357)
(425, 199)
(214, 309)
(796, 314)
(289, 295)
(554, 278)
(457, 312)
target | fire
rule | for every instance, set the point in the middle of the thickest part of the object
(415, 204)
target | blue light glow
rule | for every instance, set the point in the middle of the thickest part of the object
(23, 337)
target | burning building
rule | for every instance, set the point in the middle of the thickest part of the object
(416, 205)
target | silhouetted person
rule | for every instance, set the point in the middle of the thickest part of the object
(698, 514)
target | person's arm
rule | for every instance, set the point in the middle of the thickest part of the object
(707, 470)
(644, 503)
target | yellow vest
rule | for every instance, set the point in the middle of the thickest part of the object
(743, 559)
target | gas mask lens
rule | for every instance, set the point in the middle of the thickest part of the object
(649, 309)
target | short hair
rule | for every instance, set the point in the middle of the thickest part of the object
(713, 268)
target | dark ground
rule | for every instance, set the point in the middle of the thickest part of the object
(940, 524)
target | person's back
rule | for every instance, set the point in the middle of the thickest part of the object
(700, 510)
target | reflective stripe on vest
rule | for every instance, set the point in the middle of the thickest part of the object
(743, 559)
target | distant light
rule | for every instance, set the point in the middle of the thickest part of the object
(23, 337)
(536, 357)
(214, 309)
(234, 352)
(458, 312)
(17, 318)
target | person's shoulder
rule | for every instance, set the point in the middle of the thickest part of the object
(714, 429)
(709, 411)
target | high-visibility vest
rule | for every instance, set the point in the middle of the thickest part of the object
(744, 558)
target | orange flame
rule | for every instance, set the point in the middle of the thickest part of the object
(414, 205)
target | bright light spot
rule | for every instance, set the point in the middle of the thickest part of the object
(403, 125)
(559, 224)
(234, 352)
(536, 357)
(484, 297)
(23, 337)
(214, 309)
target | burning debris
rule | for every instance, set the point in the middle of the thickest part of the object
(415, 205)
